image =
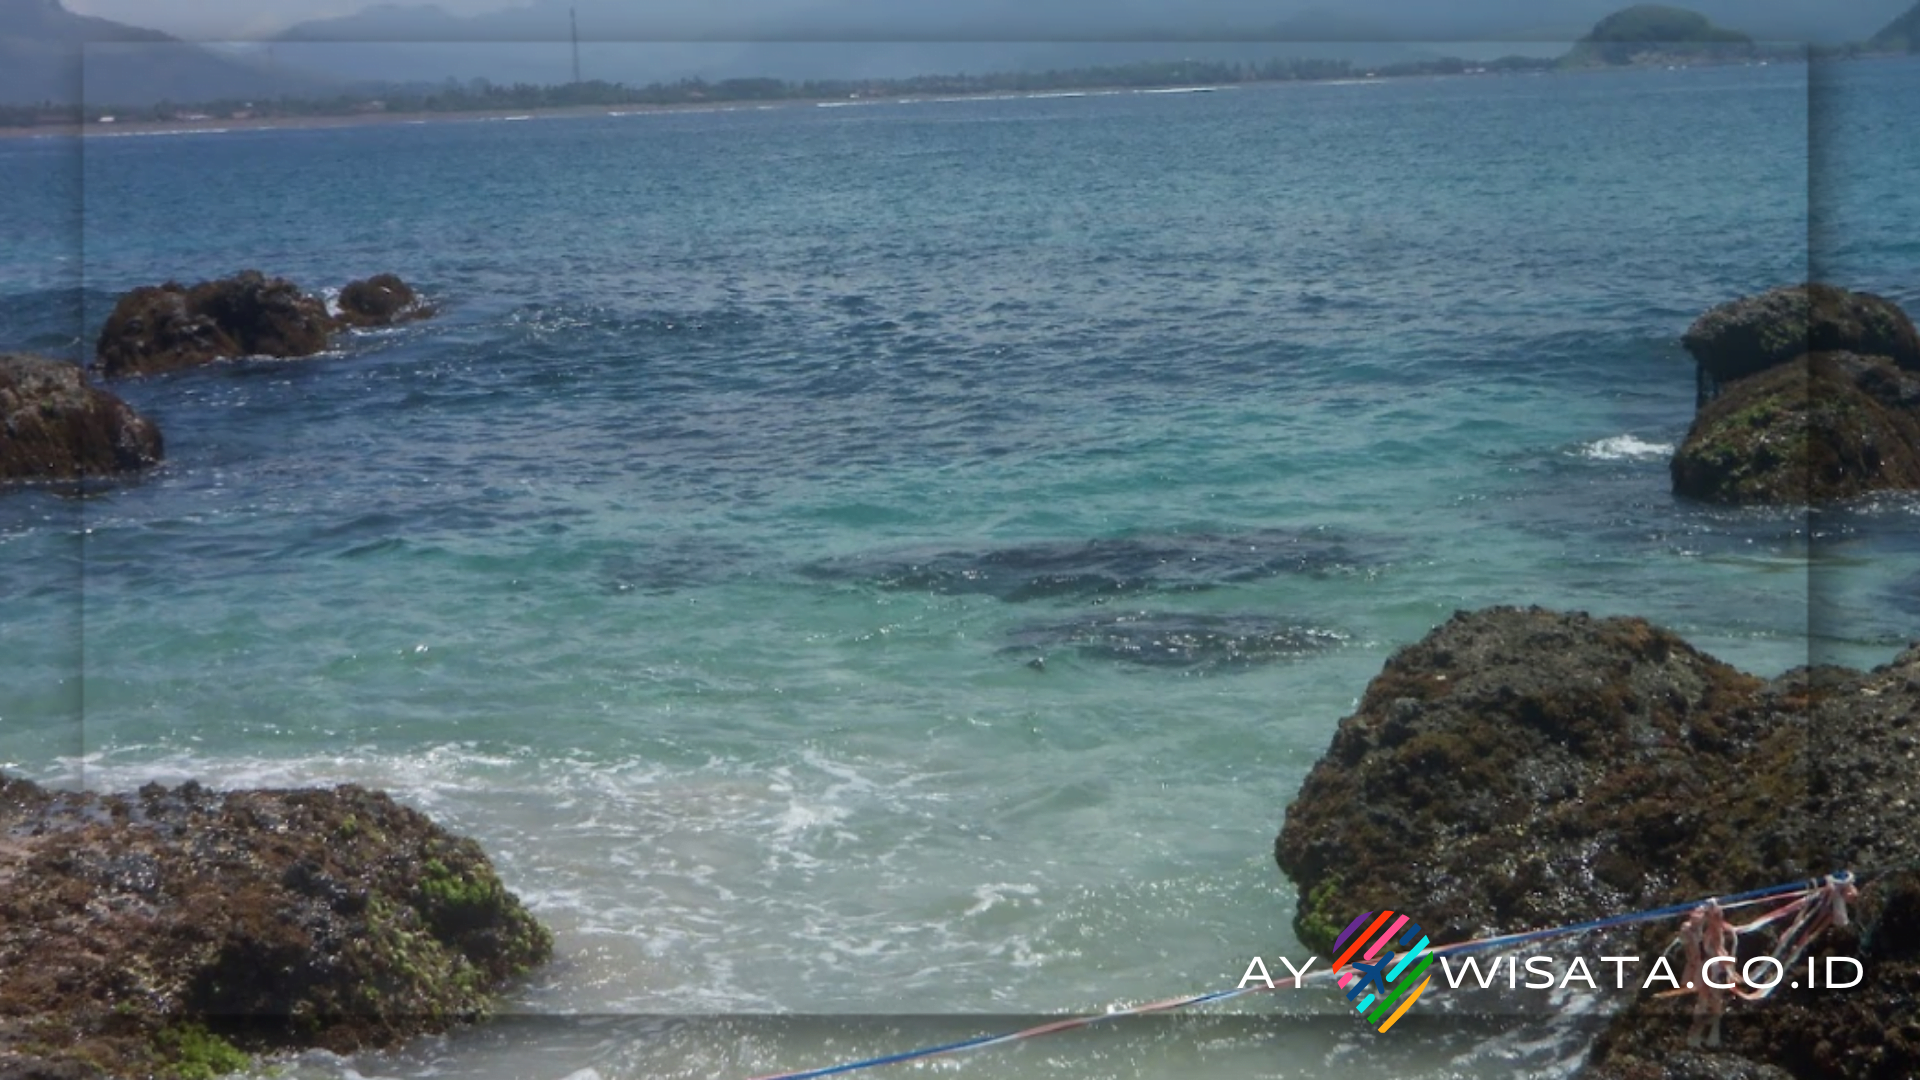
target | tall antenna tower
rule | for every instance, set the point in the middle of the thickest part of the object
(573, 18)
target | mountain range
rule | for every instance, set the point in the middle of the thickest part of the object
(49, 54)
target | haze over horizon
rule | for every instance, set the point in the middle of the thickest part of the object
(211, 20)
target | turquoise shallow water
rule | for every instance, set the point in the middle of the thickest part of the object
(612, 564)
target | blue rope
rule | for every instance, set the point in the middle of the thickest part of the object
(1838, 877)
(892, 1059)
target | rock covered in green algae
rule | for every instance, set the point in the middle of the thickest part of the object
(1525, 768)
(1754, 333)
(165, 931)
(1821, 428)
(1502, 728)
(55, 426)
(1859, 770)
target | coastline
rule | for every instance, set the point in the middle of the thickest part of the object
(216, 126)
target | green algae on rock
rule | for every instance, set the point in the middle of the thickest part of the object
(1750, 335)
(1818, 429)
(1525, 768)
(54, 425)
(244, 922)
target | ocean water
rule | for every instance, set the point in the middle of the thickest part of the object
(870, 573)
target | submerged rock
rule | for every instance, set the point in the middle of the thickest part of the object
(1817, 429)
(1174, 640)
(381, 300)
(1525, 768)
(1750, 335)
(1108, 567)
(55, 426)
(214, 924)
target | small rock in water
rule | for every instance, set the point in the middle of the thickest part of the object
(54, 425)
(381, 300)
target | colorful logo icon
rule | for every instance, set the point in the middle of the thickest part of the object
(1381, 983)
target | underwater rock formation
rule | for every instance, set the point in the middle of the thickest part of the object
(1118, 566)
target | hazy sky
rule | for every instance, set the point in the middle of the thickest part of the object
(239, 18)
(218, 19)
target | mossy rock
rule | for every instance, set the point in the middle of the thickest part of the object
(54, 425)
(1745, 337)
(1819, 429)
(157, 328)
(225, 924)
(1523, 768)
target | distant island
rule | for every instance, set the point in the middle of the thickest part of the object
(1640, 35)
(1902, 35)
(1655, 31)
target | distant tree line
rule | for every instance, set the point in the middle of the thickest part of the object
(481, 95)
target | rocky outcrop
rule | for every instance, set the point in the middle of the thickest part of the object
(1822, 428)
(158, 328)
(54, 425)
(381, 300)
(166, 327)
(1754, 333)
(1807, 394)
(1525, 768)
(169, 931)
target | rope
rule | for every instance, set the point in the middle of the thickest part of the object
(1706, 937)
(1806, 899)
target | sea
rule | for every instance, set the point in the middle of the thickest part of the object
(875, 576)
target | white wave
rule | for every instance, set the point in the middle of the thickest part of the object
(158, 134)
(1625, 448)
(987, 897)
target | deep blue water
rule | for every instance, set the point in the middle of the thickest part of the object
(694, 558)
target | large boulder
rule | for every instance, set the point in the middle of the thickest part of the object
(170, 930)
(1856, 788)
(166, 327)
(1747, 336)
(1818, 429)
(381, 300)
(1527, 768)
(54, 425)
(1504, 729)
